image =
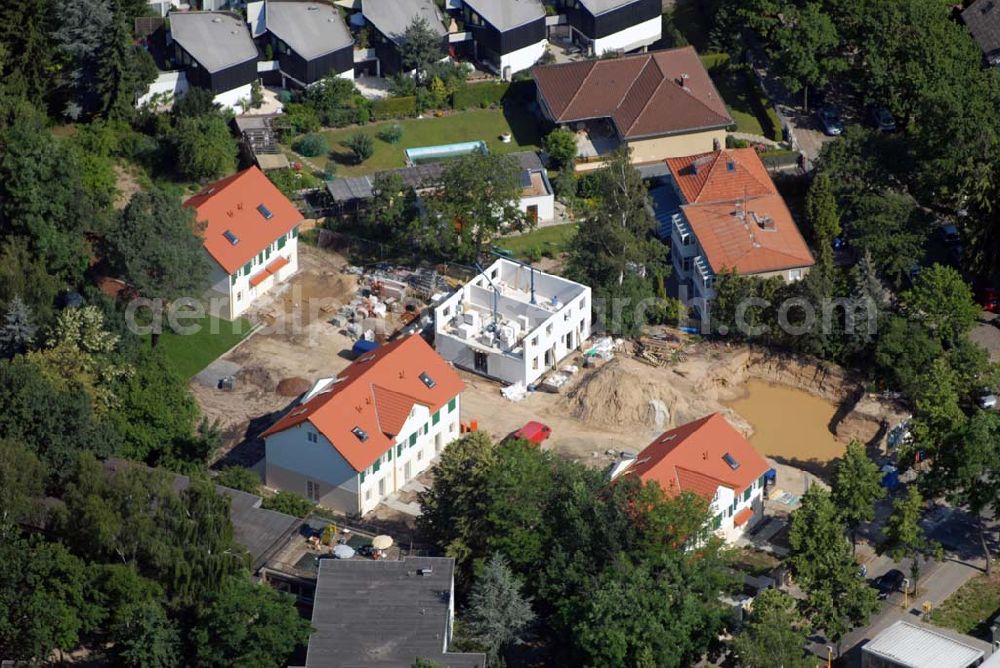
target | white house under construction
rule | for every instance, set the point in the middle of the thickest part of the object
(512, 322)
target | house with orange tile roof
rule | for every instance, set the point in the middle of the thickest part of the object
(707, 457)
(661, 104)
(354, 439)
(731, 218)
(250, 238)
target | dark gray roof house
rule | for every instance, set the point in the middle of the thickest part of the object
(389, 19)
(385, 613)
(214, 49)
(982, 18)
(309, 39)
(502, 28)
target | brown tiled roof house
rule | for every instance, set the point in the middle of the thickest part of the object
(661, 103)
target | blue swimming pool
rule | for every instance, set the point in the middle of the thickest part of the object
(425, 154)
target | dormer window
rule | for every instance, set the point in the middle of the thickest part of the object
(427, 380)
(361, 434)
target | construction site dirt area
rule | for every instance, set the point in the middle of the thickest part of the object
(788, 423)
(624, 403)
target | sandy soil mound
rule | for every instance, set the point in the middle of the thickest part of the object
(293, 387)
(623, 392)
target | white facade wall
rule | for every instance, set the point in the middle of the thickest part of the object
(167, 87)
(632, 38)
(547, 345)
(727, 503)
(295, 463)
(234, 292)
(522, 59)
(545, 204)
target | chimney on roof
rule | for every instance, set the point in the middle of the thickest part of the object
(682, 81)
(716, 144)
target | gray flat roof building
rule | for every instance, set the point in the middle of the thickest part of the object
(216, 40)
(506, 14)
(909, 645)
(311, 29)
(392, 17)
(385, 613)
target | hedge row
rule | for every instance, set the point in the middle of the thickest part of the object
(481, 95)
(763, 109)
(394, 107)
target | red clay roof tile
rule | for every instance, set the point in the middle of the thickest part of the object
(691, 458)
(231, 204)
(376, 393)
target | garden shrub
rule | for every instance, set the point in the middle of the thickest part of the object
(391, 134)
(480, 95)
(362, 145)
(312, 145)
(394, 107)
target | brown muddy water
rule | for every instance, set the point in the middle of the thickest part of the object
(788, 423)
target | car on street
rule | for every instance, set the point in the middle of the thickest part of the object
(988, 298)
(987, 400)
(882, 119)
(888, 583)
(830, 121)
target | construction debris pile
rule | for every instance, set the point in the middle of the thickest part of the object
(659, 349)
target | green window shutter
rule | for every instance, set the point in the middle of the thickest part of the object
(452, 404)
(436, 418)
(281, 241)
(399, 449)
(426, 428)
(247, 267)
(413, 438)
(232, 279)
(377, 465)
(362, 477)
(389, 455)
(716, 522)
(295, 232)
(746, 494)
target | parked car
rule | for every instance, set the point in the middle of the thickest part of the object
(949, 234)
(888, 583)
(988, 298)
(830, 121)
(987, 400)
(533, 432)
(882, 119)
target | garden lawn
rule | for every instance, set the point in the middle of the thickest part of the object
(970, 609)
(462, 126)
(554, 239)
(735, 91)
(189, 354)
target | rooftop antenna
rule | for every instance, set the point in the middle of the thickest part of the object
(531, 270)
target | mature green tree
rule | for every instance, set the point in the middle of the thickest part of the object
(904, 352)
(479, 194)
(837, 599)
(22, 486)
(892, 229)
(560, 144)
(332, 98)
(804, 42)
(498, 612)
(136, 624)
(44, 602)
(204, 147)
(42, 198)
(17, 330)
(239, 477)
(936, 409)
(55, 424)
(824, 219)
(966, 471)
(903, 537)
(744, 306)
(156, 412)
(79, 34)
(943, 301)
(24, 275)
(155, 247)
(29, 53)
(774, 634)
(197, 101)
(392, 210)
(124, 69)
(247, 624)
(289, 503)
(453, 509)
(857, 485)
(420, 47)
